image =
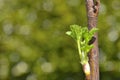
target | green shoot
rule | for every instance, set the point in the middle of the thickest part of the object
(82, 36)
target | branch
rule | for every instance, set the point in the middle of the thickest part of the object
(92, 7)
(92, 12)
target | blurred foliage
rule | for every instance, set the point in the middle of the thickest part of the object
(34, 46)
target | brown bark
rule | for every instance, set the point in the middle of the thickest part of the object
(87, 77)
(92, 7)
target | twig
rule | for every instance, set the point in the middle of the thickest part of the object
(92, 7)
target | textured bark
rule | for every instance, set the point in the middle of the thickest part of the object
(92, 7)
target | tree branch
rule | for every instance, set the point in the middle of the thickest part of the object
(92, 7)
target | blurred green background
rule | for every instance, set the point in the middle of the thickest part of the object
(34, 46)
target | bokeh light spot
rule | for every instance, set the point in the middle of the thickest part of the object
(47, 67)
(116, 5)
(20, 69)
(48, 5)
(102, 9)
(14, 57)
(113, 35)
(8, 28)
(31, 77)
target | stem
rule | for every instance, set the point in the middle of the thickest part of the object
(81, 54)
(79, 49)
(86, 66)
(92, 7)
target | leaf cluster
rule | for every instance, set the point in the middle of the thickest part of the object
(82, 36)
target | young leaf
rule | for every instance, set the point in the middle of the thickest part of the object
(82, 36)
(75, 32)
(68, 32)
